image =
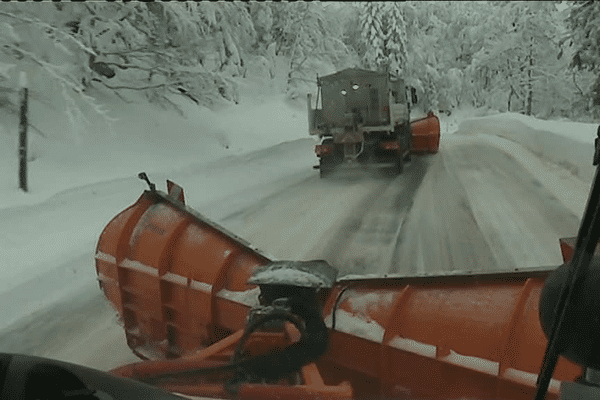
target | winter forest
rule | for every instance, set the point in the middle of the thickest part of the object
(536, 58)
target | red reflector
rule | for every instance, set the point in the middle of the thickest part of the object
(390, 145)
(323, 149)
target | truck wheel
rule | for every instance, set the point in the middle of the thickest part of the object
(324, 170)
(325, 167)
(399, 166)
(328, 163)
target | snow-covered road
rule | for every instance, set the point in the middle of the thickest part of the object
(469, 207)
(82, 328)
(478, 209)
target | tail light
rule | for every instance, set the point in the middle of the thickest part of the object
(323, 149)
(390, 145)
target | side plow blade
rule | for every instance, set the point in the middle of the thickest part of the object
(425, 134)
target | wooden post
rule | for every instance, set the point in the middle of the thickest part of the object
(23, 133)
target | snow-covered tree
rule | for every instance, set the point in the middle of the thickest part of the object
(383, 34)
(309, 35)
(424, 64)
(502, 54)
(498, 54)
(348, 15)
(262, 17)
(395, 41)
(374, 33)
(189, 49)
(159, 50)
(519, 53)
(463, 27)
(33, 40)
(584, 37)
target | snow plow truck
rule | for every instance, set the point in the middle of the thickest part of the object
(362, 118)
(211, 316)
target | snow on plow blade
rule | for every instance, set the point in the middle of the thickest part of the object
(444, 336)
(425, 134)
(179, 281)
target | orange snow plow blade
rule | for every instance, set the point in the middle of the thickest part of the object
(180, 283)
(425, 134)
(442, 336)
(169, 271)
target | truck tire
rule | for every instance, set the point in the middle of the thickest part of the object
(403, 133)
(328, 163)
(399, 165)
(325, 168)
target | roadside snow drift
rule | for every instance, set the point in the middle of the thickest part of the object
(568, 144)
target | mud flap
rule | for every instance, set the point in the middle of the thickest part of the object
(328, 163)
(325, 168)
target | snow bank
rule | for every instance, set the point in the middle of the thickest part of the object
(134, 136)
(565, 143)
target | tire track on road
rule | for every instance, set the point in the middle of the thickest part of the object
(294, 223)
(366, 241)
(440, 233)
(520, 218)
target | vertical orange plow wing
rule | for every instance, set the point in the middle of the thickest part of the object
(425, 134)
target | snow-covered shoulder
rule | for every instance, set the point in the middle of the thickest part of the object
(565, 143)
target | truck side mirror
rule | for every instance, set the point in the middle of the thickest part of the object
(413, 95)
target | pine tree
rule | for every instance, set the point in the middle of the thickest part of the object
(395, 41)
(584, 37)
(374, 33)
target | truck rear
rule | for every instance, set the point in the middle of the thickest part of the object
(363, 120)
